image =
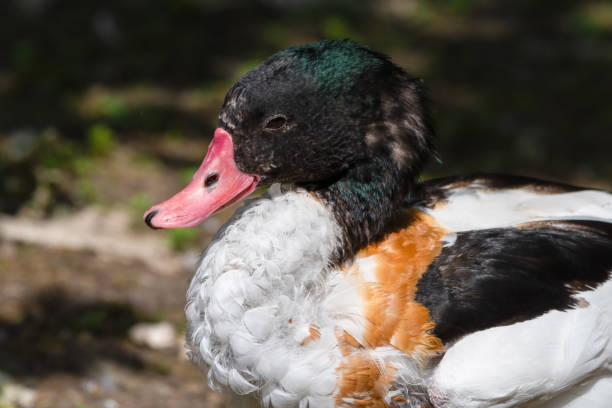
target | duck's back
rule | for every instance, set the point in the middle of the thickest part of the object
(520, 293)
(483, 201)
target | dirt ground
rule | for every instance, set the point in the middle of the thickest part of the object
(74, 283)
(64, 322)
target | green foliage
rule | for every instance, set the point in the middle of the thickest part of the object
(174, 135)
(275, 34)
(58, 155)
(24, 55)
(459, 7)
(83, 165)
(90, 320)
(114, 107)
(187, 173)
(181, 239)
(101, 139)
(86, 190)
(139, 203)
(54, 152)
(338, 28)
(246, 66)
(591, 19)
(424, 13)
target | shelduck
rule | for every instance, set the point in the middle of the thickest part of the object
(350, 284)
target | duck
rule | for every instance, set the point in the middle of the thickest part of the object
(350, 283)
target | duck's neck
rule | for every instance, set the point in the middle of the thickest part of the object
(364, 200)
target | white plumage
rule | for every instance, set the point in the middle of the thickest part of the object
(261, 281)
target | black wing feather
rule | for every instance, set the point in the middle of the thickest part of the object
(499, 276)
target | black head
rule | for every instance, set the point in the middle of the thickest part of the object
(310, 113)
(331, 116)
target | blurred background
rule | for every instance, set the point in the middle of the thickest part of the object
(107, 107)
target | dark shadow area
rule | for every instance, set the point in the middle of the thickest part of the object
(59, 333)
(518, 87)
(55, 49)
(536, 89)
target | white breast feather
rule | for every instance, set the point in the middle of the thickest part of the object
(261, 282)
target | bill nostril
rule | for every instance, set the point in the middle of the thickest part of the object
(149, 217)
(211, 180)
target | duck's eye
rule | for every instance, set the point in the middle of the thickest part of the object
(275, 123)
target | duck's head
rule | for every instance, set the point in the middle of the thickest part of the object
(332, 116)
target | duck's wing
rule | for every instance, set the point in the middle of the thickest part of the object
(564, 356)
(498, 276)
(521, 293)
(482, 201)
